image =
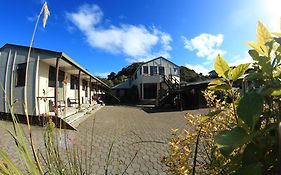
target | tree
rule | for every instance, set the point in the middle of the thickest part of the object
(189, 75)
(129, 70)
(111, 76)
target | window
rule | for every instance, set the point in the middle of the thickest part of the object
(176, 71)
(145, 70)
(136, 75)
(84, 85)
(140, 71)
(153, 70)
(92, 87)
(73, 82)
(161, 70)
(20, 75)
(52, 77)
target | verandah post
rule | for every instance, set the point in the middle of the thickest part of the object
(56, 86)
(79, 76)
(90, 95)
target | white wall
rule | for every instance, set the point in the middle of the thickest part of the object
(157, 79)
(43, 81)
(10, 57)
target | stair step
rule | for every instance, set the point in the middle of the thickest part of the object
(72, 118)
(75, 119)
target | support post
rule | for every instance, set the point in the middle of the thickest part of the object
(79, 76)
(90, 95)
(56, 86)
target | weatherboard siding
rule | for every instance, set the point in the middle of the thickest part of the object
(10, 94)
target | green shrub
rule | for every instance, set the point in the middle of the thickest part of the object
(242, 136)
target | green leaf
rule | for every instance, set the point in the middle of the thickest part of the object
(218, 85)
(278, 40)
(250, 108)
(221, 67)
(216, 82)
(276, 92)
(266, 66)
(277, 72)
(255, 46)
(254, 54)
(227, 140)
(255, 169)
(252, 154)
(239, 71)
(263, 35)
(276, 34)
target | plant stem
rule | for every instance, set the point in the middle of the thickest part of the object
(25, 94)
(233, 104)
(196, 151)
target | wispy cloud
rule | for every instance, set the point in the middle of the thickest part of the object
(198, 68)
(206, 45)
(102, 74)
(32, 18)
(136, 42)
(238, 59)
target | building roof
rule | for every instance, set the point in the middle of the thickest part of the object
(161, 58)
(123, 85)
(154, 60)
(62, 55)
(199, 82)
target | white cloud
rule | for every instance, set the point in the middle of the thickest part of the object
(136, 42)
(238, 59)
(102, 74)
(205, 45)
(198, 68)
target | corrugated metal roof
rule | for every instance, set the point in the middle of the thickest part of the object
(123, 85)
(62, 54)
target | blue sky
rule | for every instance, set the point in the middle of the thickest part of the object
(104, 36)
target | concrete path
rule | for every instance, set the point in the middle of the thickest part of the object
(134, 133)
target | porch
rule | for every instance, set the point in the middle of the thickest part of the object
(66, 90)
(73, 116)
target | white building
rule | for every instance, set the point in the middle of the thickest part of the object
(152, 80)
(76, 88)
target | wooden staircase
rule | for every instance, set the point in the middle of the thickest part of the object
(172, 95)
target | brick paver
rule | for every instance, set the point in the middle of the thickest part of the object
(132, 132)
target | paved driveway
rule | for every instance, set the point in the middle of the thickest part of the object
(134, 133)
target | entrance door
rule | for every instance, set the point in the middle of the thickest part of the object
(150, 91)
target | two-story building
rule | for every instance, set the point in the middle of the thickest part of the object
(152, 79)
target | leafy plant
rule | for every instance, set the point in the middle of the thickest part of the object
(258, 112)
(240, 135)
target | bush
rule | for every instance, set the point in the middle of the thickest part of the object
(238, 135)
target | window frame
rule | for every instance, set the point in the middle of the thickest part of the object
(52, 77)
(145, 69)
(84, 85)
(161, 71)
(153, 70)
(20, 74)
(176, 71)
(73, 82)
